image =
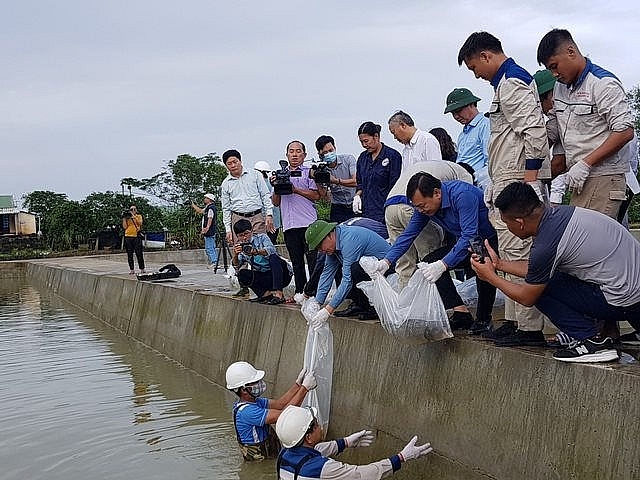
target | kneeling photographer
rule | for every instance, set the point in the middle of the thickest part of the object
(269, 273)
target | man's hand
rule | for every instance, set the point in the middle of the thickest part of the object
(541, 191)
(309, 381)
(319, 319)
(576, 176)
(229, 238)
(301, 376)
(488, 195)
(432, 271)
(363, 438)
(382, 266)
(204, 230)
(356, 206)
(269, 224)
(237, 249)
(411, 450)
(486, 270)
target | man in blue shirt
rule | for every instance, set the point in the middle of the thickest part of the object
(252, 413)
(269, 272)
(473, 141)
(344, 246)
(459, 209)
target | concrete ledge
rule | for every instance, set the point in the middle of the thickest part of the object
(489, 412)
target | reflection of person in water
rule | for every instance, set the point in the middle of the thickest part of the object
(140, 393)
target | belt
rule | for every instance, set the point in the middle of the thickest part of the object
(248, 214)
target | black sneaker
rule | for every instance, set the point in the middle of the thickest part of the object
(461, 321)
(522, 338)
(479, 328)
(590, 350)
(507, 328)
(632, 338)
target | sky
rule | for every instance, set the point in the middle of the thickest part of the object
(93, 92)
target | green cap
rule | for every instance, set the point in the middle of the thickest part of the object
(317, 231)
(544, 81)
(460, 97)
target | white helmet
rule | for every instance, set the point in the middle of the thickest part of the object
(293, 423)
(262, 166)
(240, 374)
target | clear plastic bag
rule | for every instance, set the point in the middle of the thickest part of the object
(416, 315)
(318, 356)
(468, 292)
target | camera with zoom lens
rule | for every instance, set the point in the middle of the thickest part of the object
(247, 248)
(282, 184)
(321, 174)
(127, 214)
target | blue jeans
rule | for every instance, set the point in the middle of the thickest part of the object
(210, 248)
(579, 308)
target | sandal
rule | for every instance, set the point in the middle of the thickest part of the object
(290, 301)
(276, 301)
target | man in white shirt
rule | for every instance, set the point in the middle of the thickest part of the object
(419, 146)
(244, 194)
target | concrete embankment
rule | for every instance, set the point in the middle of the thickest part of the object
(489, 412)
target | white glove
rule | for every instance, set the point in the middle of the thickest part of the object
(301, 376)
(319, 319)
(411, 451)
(363, 438)
(382, 266)
(488, 195)
(541, 191)
(432, 271)
(309, 381)
(357, 204)
(299, 298)
(576, 176)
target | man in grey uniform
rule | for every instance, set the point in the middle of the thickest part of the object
(583, 271)
(594, 122)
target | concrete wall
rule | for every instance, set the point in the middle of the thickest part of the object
(489, 412)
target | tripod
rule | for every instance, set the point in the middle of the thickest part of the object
(223, 251)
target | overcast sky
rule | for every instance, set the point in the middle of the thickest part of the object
(92, 92)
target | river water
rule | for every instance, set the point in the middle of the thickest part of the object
(79, 400)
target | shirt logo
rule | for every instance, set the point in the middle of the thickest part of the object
(385, 162)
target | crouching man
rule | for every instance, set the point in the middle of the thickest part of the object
(269, 272)
(305, 456)
(344, 246)
(583, 270)
(252, 413)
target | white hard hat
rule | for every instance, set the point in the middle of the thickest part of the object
(240, 374)
(210, 196)
(262, 166)
(293, 423)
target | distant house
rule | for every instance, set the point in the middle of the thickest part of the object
(14, 221)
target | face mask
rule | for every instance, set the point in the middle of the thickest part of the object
(257, 389)
(330, 157)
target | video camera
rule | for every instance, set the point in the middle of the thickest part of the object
(321, 174)
(282, 184)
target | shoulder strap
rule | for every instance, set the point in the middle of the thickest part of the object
(296, 467)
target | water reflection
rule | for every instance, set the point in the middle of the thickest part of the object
(81, 400)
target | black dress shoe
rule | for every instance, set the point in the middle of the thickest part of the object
(264, 299)
(352, 311)
(460, 321)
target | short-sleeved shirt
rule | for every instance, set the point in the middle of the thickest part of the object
(590, 246)
(422, 147)
(375, 178)
(295, 210)
(473, 143)
(250, 418)
(345, 169)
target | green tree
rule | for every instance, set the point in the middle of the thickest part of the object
(42, 203)
(104, 209)
(182, 180)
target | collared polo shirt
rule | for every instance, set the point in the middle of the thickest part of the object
(375, 178)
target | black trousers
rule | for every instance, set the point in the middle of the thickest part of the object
(340, 213)
(311, 287)
(134, 245)
(448, 292)
(276, 278)
(297, 248)
(355, 294)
